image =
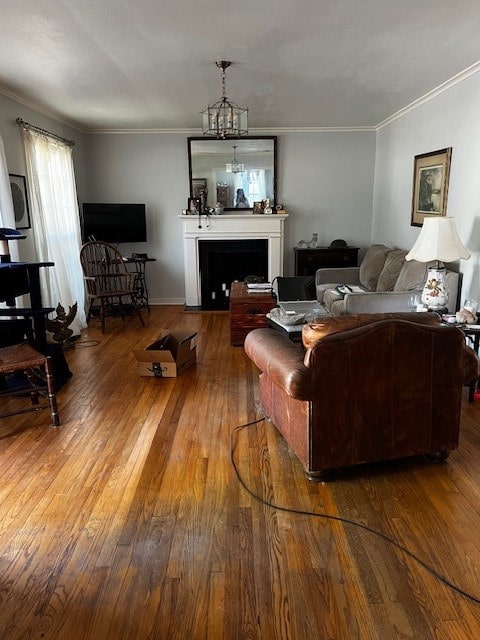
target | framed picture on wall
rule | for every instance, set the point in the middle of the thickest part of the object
(430, 185)
(18, 185)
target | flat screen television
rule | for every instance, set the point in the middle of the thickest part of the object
(113, 222)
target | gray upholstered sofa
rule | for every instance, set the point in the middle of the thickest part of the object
(383, 283)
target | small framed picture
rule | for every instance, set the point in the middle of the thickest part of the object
(194, 205)
(18, 185)
(430, 185)
(258, 206)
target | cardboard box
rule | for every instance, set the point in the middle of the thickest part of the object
(169, 356)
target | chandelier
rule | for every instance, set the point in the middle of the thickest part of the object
(234, 166)
(224, 118)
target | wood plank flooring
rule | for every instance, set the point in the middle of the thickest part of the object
(129, 523)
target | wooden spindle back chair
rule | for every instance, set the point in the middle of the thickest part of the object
(110, 287)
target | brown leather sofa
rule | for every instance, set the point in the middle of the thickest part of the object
(364, 388)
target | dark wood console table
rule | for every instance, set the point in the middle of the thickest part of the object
(307, 261)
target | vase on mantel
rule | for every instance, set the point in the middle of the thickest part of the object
(313, 244)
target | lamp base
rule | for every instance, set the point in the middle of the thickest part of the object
(435, 294)
(441, 312)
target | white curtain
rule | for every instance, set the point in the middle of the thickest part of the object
(55, 221)
(7, 215)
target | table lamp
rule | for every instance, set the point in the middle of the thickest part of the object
(438, 240)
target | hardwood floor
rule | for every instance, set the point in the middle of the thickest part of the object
(128, 522)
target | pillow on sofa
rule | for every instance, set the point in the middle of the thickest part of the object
(314, 332)
(412, 276)
(372, 265)
(391, 270)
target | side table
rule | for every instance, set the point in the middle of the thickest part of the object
(247, 311)
(141, 283)
(472, 332)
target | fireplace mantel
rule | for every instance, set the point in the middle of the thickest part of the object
(229, 227)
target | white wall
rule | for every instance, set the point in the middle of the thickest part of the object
(449, 120)
(351, 185)
(325, 181)
(150, 168)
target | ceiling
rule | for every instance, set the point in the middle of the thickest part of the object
(145, 64)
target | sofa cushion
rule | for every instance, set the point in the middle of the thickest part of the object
(391, 270)
(312, 333)
(372, 265)
(412, 276)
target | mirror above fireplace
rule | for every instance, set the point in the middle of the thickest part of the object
(219, 168)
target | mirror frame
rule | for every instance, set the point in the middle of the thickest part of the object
(206, 139)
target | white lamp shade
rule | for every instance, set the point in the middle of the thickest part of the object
(438, 240)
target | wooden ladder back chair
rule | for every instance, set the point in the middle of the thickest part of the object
(109, 285)
(36, 381)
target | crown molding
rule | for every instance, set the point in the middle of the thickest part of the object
(251, 131)
(445, 86)
(40, 108)
(448, 84)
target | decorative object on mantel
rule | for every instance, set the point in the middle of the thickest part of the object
(58, 326)
(438, 240)
(234, 166)
(430, 185)
(194, 206)
(224, 118)
(267, 209)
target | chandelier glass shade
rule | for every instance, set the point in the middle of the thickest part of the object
(224, 118)
(234, 166)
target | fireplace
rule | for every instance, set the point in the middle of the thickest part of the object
(225, 261)
(229, 227)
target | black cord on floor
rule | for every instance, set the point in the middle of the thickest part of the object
(356, 523)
